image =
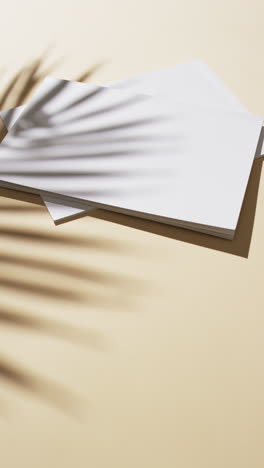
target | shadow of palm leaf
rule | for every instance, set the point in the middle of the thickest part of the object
(58, 396)
(23, 320)
(61, 135)
(29, 283)
(17, 91)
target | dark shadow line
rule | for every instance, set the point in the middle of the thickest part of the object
(117, 126)
(3, 131)
(46, 72)
(8, 118)
(9, 88)
(89, 96)
(37, 104)
(68, 141)
(86, 155)
(68, 174)
(31, 80)
(88, 73)
(54, 393)
(61, 330)
(102, 130)
(11, 194)
(39, 289)
(60, 240)
(105, 110)
(260, 144)
(62, 269)
(19, 209)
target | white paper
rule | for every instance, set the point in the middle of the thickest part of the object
(155, 157)
(190, 82)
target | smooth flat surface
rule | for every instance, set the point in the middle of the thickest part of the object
(172, 371)
(191, 82)
(152, 156)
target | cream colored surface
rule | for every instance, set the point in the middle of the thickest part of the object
(161, 362)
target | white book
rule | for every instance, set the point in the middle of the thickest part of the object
(153, 157)
(187, 81)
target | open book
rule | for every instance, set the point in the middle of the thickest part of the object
(153, 157)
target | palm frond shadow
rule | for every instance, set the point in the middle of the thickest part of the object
(77, 129)
(11, 318)
(51, 392)
(17, 91)
(52, 292)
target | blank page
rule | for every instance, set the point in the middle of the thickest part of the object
(153, 156)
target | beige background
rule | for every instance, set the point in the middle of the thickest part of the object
(125, 343)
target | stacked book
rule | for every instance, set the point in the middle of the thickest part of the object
(173, 146)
